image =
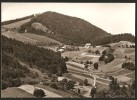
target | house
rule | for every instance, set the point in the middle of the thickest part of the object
(61, 50)
(88, 45)
(64, 47)
(61, 78)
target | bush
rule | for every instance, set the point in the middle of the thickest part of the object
(97, 52)
(101, 58)
(86, 82)
(53, 85)
(39, 93)
(80, 84)
(93, 92)
(104, 52)
(86, 66)
(46, 83)
(128, 65)
(96, 66)
(108, 58)
(63, 82)
(70, 84)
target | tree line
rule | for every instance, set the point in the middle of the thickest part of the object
(114, 38)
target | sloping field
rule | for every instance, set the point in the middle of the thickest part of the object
(29, 38)
(30, 89)
(131, 75)
(119, 52)
(74, 68)
(13, 92)
(100, 49)
(18, 37)
(59, 92)
(75, 64)
(123, 72)
(72, 54)
(17, 24)
(122, 78)
(40, 38)
(129, 50)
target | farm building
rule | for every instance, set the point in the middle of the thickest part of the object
(60, 78)
(88, 45)
(64, 47)
(61, 50)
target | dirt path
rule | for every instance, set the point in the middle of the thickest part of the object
(30, 89)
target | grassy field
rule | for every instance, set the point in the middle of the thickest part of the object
(13, 92)
(30, 89)
(129, 50)
(16, 24)
(131, 75)
(59, 92)
(122, 78)
(30, 38)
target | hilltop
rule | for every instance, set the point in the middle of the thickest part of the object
(65, 29)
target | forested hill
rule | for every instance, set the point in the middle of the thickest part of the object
(65, 29)
(42, 59)
(114, 38)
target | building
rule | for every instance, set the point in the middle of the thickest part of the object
(61, 50)
(61, 78)
(88, 45)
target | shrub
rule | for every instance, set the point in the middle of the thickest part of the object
(93, 92)
(86, 66)
(39, 93)
(86, 82)
(96, 66)
(63, 82)
(70, 84)
(97, 52)
(53, 85)
(80, 84)
(108, 58)
(128, 65)
(104, 52)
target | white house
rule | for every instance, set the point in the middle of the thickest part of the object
(88, 45)
(61, 50)
(61, 78)
(63, 47)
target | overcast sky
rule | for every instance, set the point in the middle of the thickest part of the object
(114, 18)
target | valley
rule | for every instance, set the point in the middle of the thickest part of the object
(45, 59)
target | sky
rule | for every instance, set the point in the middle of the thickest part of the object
(114, 18)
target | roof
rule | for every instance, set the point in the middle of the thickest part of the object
(61, 50)
(88, 44)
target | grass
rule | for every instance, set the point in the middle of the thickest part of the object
(59, 92)
(17, 24)
(129, 50)
(76, 65)
(74, 68)
(122, 72)
(13, 92)
(132, 75)
(73, 78)
(30, 38)
(84, 75)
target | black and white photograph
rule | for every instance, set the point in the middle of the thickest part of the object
(67, 50)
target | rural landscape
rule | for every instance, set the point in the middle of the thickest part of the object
(51, 55)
